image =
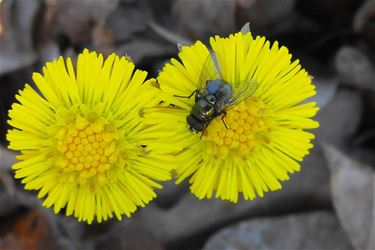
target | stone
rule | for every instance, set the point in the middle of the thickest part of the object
(364, 155)
(308, 189)
(340, 118)
(16, 33)
(140, 49)
(326, 89)
(78, 20)
(352, 187)
(28, 225)
(7, 158)
(126, 20)
(71, 233)
(204, 18)
(30, 230)
(316, 230)
(8, 202)
(170, 194)
(354, 68)
(363, 15)
(267, 16)
(128, 234)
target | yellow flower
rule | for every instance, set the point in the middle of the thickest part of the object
(82, 142)
(265, 136)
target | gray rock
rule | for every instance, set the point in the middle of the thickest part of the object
(128, 234)
(326, 89)
(340, 118)
(192, 216)
(16, 46)
(268, 16)
(169, 35)
(170, 194)
(8, 201)
(354, 68)
(140, 49)
(7, 158)
(126, 20)
(318, 230)
(49, 52)
(353, 187)
(29, 230)
(71, 233)
(203, 18)
(364, 15)
(30, 225)
(364, 155)
(12, 61)
(78, 19)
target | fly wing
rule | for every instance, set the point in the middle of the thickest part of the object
(210, 71)
(245, 91)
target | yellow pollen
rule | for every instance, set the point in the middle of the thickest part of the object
(250, 119)
(228, 141)
(69, 155)
(87, 149)
(69, 139)
(89, 158)
(79, 166)
(91, 138)
(240, 130)
(235, 115)
(234, 125)
(247, 128)
(241, 122)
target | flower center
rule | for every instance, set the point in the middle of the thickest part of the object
(246, 128)
(88, 148)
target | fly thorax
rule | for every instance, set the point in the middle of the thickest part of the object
(213, 86)
(203, 109)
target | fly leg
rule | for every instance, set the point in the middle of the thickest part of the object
(222, 119)
(201, 135)
(187, 97)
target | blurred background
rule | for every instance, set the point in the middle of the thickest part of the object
(328, 205)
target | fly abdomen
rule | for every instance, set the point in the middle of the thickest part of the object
(195, 125)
